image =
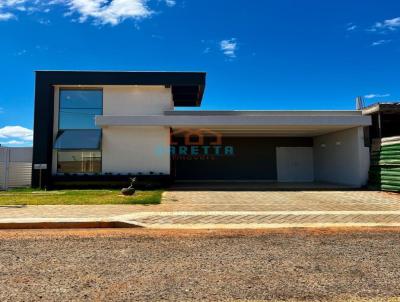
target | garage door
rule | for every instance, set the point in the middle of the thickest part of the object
(249, 158)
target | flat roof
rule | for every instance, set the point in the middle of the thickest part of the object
(244, 113)
(385, 107)
(187, 87)
(242, 119)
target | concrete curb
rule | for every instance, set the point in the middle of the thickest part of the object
(67, 224)
(269, 226)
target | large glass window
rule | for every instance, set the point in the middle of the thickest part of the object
(78, 142)
(78, 108)
(78, 139)
(79, 162)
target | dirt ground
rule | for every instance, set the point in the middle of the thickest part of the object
(152, 265)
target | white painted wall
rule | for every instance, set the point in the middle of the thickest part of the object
(136, 149)
(136, 100)
(295, 164)
(341, 158)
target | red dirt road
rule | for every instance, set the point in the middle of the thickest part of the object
(152, 265)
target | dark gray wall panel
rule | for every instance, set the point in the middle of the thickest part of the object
(254, 158)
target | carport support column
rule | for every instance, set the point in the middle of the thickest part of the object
(342, 158)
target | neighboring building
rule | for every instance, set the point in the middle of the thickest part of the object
(15, 167)
(107, 125)
(384, 134)
(385, 119)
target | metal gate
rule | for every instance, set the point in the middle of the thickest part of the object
(15, 167)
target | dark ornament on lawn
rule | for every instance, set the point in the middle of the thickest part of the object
(130, 190)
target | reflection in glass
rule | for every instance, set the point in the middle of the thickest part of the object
(78, 139)
(79, 162)
(78, 108)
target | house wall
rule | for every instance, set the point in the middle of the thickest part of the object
(130, 149)
(136, 149)
(136, 100)
(341, 158)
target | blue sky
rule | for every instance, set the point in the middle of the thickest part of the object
(258, 54)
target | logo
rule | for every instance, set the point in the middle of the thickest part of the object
(197, 144)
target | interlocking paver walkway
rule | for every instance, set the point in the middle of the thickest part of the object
(208, 209)
(233, 208)
(270, 219)
(281, 201)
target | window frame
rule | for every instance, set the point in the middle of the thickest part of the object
(81, 173)
(77, 88)
(60, 90)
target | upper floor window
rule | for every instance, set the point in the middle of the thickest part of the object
(78, 108)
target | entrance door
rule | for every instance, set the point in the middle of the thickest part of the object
(295, 164)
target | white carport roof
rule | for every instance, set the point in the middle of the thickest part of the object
(247, 123)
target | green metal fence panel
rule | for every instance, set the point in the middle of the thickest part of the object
(384, 173)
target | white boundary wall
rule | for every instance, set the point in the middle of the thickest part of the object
(342, 158)
(15, 167)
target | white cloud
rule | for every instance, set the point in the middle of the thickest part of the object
(207, 50)
(21, 52)
(7, 7)
(170, 3)
(389, 24)
(6, 16)
(351, 27)
(374, 96)
(101, 12)
(114, 12)
(229, 47)
(380, 42)
(12, 142)
(16, 133)
(44, 21)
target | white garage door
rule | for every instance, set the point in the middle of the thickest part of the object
(295, 164)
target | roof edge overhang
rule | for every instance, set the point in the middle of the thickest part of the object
(387, 107)
(235, 121)
(187, 87)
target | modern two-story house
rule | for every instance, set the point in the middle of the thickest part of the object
(102, 126)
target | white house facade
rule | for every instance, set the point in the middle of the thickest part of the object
(105, 126)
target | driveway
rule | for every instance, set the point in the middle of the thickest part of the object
(272, 209)
(280, 201)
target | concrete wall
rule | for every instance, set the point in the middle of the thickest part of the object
(136, 100)
(136, 149)
(341, 158)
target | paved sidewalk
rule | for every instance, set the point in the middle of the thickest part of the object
(224, 209)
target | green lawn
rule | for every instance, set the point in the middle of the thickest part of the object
(77, 197)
